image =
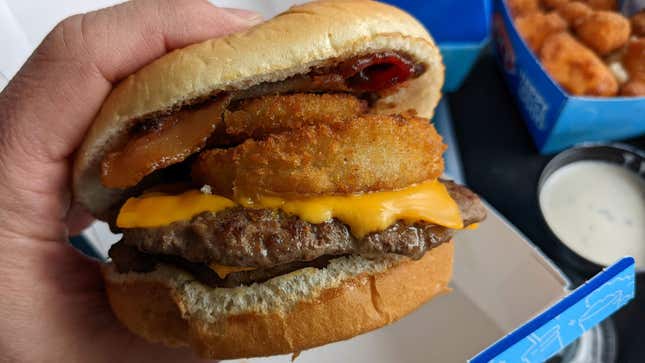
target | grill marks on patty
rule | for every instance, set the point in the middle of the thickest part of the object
(266, 237)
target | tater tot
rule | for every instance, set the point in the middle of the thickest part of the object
(638, 24)
(574, 12)
(576, 68)
(634, 59)
(633, 88)
(601, 4)
(553, 4)
(604, 31)
(535, 27)
(523, 7)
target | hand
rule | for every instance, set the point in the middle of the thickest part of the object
(53, 305)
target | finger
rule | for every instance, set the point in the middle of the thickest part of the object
(47, 108)
(53, 99)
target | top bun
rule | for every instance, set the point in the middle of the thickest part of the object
(289, 44)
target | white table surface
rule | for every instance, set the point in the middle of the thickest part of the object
(24, 23)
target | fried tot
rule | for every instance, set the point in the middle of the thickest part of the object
(601, 4)
(574, 12)
(369, 153)
(259, 117)
(523, 7)
(535, 27)
(553, 4)
(604, 31)
(638, 24)
(633, 88)
(576, 68)
(634, 59)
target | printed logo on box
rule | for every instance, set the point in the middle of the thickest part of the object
(532, 101)
(555, 328)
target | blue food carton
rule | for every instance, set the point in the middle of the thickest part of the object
(460, 28)
(556, 119)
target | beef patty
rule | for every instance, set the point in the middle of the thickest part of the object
(129, 259)
(269, 237)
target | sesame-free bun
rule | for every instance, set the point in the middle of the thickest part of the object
(289, 313)
(303, 37)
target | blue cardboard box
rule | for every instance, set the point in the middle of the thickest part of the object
(460, 28)
(556, 119)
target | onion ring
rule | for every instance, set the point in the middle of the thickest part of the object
(366, 153)
(261, 116)
(174, 138)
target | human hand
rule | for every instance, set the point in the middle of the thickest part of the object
(53, 305)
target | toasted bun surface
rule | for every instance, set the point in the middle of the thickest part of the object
(272, 51)
(290, 313)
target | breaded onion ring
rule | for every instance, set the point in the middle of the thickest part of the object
(170, 141)
(367, 153)
(261, 116)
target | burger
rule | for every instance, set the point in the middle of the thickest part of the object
(279, 188)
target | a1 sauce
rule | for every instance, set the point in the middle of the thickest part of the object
(598, 210)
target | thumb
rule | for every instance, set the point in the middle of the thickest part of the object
(48, 106)
(58, 91)
(248, 15)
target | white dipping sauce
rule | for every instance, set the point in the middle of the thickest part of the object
(598, 210)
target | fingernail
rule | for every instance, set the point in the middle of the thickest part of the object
(248, 15)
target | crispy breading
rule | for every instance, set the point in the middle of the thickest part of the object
(638, 23)
(574, 12)
(259, 117)
(523, 7)
(576, 68)
(633, 88)
(170, 140)
(601, 4)
(368, 153)
(554, 4)
(604, 31)
(535, 27)
(216, 168)
(634, 59)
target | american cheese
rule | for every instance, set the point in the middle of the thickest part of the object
(363, 213)
(473, 226)
(222, 270)
(156, 210)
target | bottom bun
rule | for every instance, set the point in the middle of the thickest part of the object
(293, 312)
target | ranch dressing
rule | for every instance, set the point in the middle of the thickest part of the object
(598, 210)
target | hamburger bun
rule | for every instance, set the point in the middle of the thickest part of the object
(289, 313)
(301, 307)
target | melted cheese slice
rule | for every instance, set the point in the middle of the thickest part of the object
(363, 213)
(222, 270)
(157, 209)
